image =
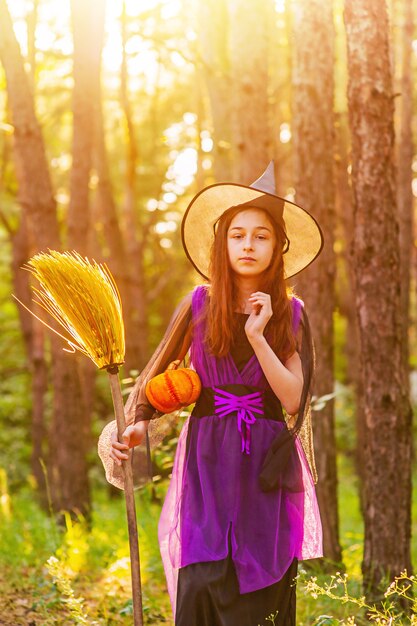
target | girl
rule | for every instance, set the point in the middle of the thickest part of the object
(241, 509)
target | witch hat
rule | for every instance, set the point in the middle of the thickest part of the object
(305, 238)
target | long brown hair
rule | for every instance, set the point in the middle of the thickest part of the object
(222, 303)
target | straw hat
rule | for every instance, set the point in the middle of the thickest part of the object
(198, 225)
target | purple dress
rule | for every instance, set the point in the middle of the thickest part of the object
(214, 504)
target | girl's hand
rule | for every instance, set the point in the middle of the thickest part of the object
(132, 436)
(260, 315)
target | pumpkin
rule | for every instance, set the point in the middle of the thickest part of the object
(173, 389)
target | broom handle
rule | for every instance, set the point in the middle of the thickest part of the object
(130, 503)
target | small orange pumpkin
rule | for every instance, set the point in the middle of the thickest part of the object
(173, 389)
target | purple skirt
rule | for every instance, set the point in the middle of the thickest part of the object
(214, 494)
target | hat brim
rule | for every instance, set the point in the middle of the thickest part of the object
(197, 228)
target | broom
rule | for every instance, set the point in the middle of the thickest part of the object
(83, 298)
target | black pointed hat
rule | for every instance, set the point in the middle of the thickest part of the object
(305, 239)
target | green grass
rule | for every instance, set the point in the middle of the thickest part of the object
(311, 610)
(322, 610)
(93, 562)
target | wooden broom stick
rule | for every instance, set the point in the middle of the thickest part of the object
(116, 393)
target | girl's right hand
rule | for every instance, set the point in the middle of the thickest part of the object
(132, 436)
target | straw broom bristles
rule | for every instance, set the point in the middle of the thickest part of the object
(83, 298)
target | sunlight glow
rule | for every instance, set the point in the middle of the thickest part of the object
(117, 576)
(177, 59)
(147, 71)
(206, 141)
(207, 144)
(21, 34)
(173, 186)
(135, 8)
(170, 9)
(112, 52)
(6, 128)
(173, 215)
(172, 133)
(185, 166)
(189, 118)
(62, 196)
(285, 133)
(166, 227)
(62, 162)
(134, 44)
(280, 6)
(169, 197)
(54, 34)
(290, 195)
(152, 204)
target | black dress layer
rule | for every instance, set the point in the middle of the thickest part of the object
(208, 595)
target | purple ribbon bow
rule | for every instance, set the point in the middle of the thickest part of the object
(226, 403)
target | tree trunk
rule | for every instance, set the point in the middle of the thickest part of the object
(137, 326)
(32, 21)
(346, 283)
(70, 488)
(387, 411)
(35, 188)
(215, 66)
(280, 29)
(313, 163)
(39, 459)
(87, 52)
(251, 138)
(33, 336)
(83, 20)
(346, 288)
(405, 151)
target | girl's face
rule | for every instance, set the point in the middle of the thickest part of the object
(250, 242)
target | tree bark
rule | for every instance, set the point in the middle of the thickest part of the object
(251, 137)
(32, 329)
(213, 40)
(69, 484)
(87, 52)
(313, 123)
(281, 96)
(344, 210)
(32, 21)
(34, 339)
(387, 411)
(405, 151)
(346, 287)
(83, 21)
(35, 188)
(137, 326)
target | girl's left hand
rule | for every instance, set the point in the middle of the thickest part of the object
(260, 315)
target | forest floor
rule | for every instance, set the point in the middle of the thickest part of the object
(88, 579)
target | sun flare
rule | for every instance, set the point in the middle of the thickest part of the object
(53, 30)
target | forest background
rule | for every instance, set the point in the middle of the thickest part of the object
(112, 116)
